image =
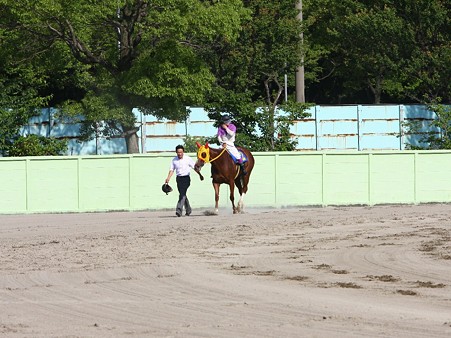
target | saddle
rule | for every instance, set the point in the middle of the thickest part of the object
(243, 156)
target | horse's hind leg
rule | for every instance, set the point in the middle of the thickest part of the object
(232, 197)
(239, 185)
(240, 207)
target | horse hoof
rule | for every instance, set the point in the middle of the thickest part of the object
(216, 211)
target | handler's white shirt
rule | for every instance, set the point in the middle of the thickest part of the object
(182, 166)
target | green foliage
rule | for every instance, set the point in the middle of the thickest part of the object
(126, 54)
(438, 134)
(364, 43)
(24, 76)
(18, 100)
(98, 60)
(250, 76)
(190, 143)
(260, 129)
(292, 112)
(428, 70)
(34, 145)
(371, 51)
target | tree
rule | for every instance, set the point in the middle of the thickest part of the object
(34, 145)
(437, 134)
(130, 53)
(378, 50)
(364, 43)
(250, 76)
(427, 70)
(20, 82)
(17, 105)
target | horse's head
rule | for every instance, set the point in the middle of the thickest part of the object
(203, 154)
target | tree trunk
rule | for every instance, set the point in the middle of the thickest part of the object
(272, 105)
(131, 141)
(376, 89)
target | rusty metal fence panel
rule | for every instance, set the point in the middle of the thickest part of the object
(345, 127)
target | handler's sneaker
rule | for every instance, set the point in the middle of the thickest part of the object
(178, 215)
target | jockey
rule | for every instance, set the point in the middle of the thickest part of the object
(226, 138)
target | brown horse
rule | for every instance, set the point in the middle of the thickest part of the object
(225, 170)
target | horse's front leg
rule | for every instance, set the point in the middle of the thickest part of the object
(216, 186)
(197, 169)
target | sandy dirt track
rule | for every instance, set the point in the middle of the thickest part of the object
(382, 271)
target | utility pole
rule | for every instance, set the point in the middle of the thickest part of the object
(300, 86)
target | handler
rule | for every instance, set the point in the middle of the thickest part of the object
(181, 164)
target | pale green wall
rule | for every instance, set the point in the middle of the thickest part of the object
(133, 182)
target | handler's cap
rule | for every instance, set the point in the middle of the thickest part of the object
(166, 188)
(226, 119)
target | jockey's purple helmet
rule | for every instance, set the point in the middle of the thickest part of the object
(226, 119)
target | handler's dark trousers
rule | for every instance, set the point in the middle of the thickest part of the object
(183, 183)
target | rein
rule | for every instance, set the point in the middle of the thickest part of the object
(223, 149)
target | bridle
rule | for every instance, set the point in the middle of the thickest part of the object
(203, 154)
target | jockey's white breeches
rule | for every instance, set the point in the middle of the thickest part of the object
(233, 151)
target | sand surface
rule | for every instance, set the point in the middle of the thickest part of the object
(382, 271)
